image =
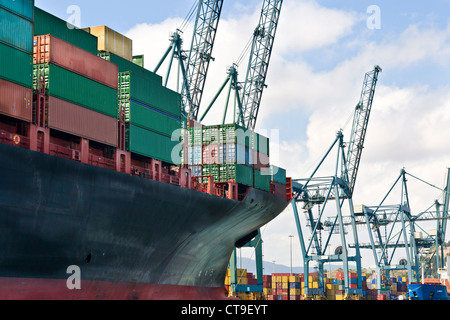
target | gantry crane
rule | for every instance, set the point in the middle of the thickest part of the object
(400, 227)
(198, 57)
(316, 191)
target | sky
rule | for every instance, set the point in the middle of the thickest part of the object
(321, 53)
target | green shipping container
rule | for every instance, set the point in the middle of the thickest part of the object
(278, 175)
(46, 23)
(237, 172)
(149, 91)
(23, 8)
(149, 118)
(262, 180)
(211, 170)
(16, 31)
(79, 90)
(261, 144)
(235, 134)
(150, 144)
(126, 65)
(210, 134)
(19, 66)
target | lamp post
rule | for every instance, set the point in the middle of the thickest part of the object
(291, 236)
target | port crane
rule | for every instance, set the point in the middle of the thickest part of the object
(318, 191)
(248, 94)
(400, 224)
(194, 63)
(248, 103)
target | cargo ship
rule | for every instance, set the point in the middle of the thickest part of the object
(98, 199)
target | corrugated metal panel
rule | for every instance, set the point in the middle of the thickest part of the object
(70, 118)
(262, 180)
(77, 89)
(125, 65)
(149, 143)
(19, 66)
(112, 41)
(16, 31)
(23, 8)
(46, 23)
(278, 174)
(150, 118)
(239, 173)
(136, 86)
(50, 49)
(16, 101)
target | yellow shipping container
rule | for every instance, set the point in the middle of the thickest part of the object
(295, 292)
(313, 278)
(285, 285)
(285, 279)
(339, 297)
(294, 279)
(227, 281)
(314, 285)
(112, 41)
(267, 291)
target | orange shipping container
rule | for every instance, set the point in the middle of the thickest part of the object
(49, 49)
(16, 101)
(70, 118)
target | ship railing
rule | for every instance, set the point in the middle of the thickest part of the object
(14, 139)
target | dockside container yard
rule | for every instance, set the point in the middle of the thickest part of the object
(107, 169)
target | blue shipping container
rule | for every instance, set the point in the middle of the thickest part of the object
(23, 8)
(16, 32)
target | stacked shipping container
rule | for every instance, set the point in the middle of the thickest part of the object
(81, 88)
(152, 112)
(286, 286)
(230, 152)
(16, 35)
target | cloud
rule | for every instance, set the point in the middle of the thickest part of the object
(409, 120)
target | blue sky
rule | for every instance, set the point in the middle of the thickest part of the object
(322, 50)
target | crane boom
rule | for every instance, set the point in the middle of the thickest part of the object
(263, 39)
(207, 21)
(360, 122)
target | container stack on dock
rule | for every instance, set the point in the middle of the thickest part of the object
(16, 69)
(287, 286)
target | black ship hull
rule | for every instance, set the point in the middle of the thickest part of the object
(131, 237)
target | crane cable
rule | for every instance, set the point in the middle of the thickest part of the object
(189, 16)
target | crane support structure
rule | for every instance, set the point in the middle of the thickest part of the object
(261, 51)
(194, 63)
(205, 31)
(360, 122)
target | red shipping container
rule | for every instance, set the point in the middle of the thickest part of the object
(211, 154)
(70, 118)
(16, 101)
(49, 49)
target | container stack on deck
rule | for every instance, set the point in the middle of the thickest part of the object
(151, 115)
(16, 68)
(232, 153)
